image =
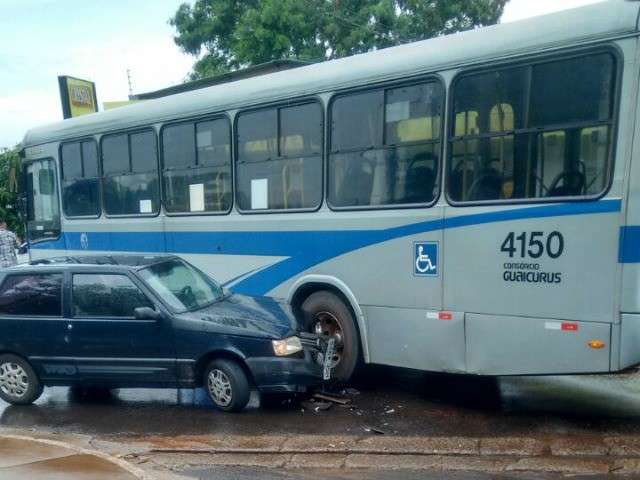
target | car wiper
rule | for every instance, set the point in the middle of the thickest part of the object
(208, 304)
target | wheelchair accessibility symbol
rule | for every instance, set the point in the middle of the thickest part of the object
(425, 259)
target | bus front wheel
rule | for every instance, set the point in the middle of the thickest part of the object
(325, 313)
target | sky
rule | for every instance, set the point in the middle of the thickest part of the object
(100, 41)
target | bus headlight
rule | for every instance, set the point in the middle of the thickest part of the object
(288, 346)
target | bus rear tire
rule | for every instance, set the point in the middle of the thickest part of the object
(324, 312)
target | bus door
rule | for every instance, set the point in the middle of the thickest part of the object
(40, 205)
(531, 247)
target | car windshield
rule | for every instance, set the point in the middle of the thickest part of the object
(182, 286)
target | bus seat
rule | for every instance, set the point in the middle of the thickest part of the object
(487, 186)
(226, 201)
(573, 184)
(294, 198)
(456, 180)
(357, 184)
(420, 183)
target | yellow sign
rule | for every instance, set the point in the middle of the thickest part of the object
(78, 96)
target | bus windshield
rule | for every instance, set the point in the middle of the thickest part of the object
(183, 287)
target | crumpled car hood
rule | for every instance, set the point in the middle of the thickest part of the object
(249, 316)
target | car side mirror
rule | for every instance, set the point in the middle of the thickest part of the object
(146, 313)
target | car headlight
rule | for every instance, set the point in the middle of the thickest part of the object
(288, 346)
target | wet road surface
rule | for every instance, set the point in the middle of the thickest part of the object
(393, 401)
(33, 460)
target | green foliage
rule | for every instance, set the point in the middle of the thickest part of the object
(9, 180)
(231, 34)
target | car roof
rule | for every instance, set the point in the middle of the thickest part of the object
(111, 262)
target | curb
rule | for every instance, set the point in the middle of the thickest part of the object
(567, 455)
(365, 462)
(136, 472)
(557, 446)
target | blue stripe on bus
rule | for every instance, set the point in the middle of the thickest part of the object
(303, 249)
(629, 249)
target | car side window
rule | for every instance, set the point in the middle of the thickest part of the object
(106, 295)
(29, 294)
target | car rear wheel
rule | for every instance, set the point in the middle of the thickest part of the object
(326, 314)
(19, 384)
(227, 385)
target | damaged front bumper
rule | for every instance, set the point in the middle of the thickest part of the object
(297, 373)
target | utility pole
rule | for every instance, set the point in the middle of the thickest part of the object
(129, 81)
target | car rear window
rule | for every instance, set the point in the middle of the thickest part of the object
(29, 294)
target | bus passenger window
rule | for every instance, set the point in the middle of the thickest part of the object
(540, 131)
(80, 179)
(130, 174)
(197, 166)
(280, 158)
(385, 147)
(357, 121)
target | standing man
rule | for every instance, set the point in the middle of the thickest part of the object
(8, 246)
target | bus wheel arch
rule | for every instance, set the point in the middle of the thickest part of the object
(329, 291)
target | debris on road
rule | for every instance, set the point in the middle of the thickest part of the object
(316, 406)
(322, 406)
(350, 391)
(331, 398)
(374, 430)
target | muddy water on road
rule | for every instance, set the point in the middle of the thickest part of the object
(392, 401)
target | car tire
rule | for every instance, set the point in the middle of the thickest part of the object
(19, 384)
(323, 309)
(227, 385)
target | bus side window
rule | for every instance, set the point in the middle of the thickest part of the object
(130, 173)
(385, 146)
(279, 162)
(80, 179)
(197, 166)
(542, 131)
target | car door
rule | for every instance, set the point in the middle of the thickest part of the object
(32, 324)
(110, 345)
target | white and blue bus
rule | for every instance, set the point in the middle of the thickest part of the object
(468, 204)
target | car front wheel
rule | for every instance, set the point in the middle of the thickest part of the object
(19, 384)
(227, 385)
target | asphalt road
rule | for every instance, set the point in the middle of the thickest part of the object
(391, 401)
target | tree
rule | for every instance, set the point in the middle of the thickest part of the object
(231, 34)
(9, 179)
